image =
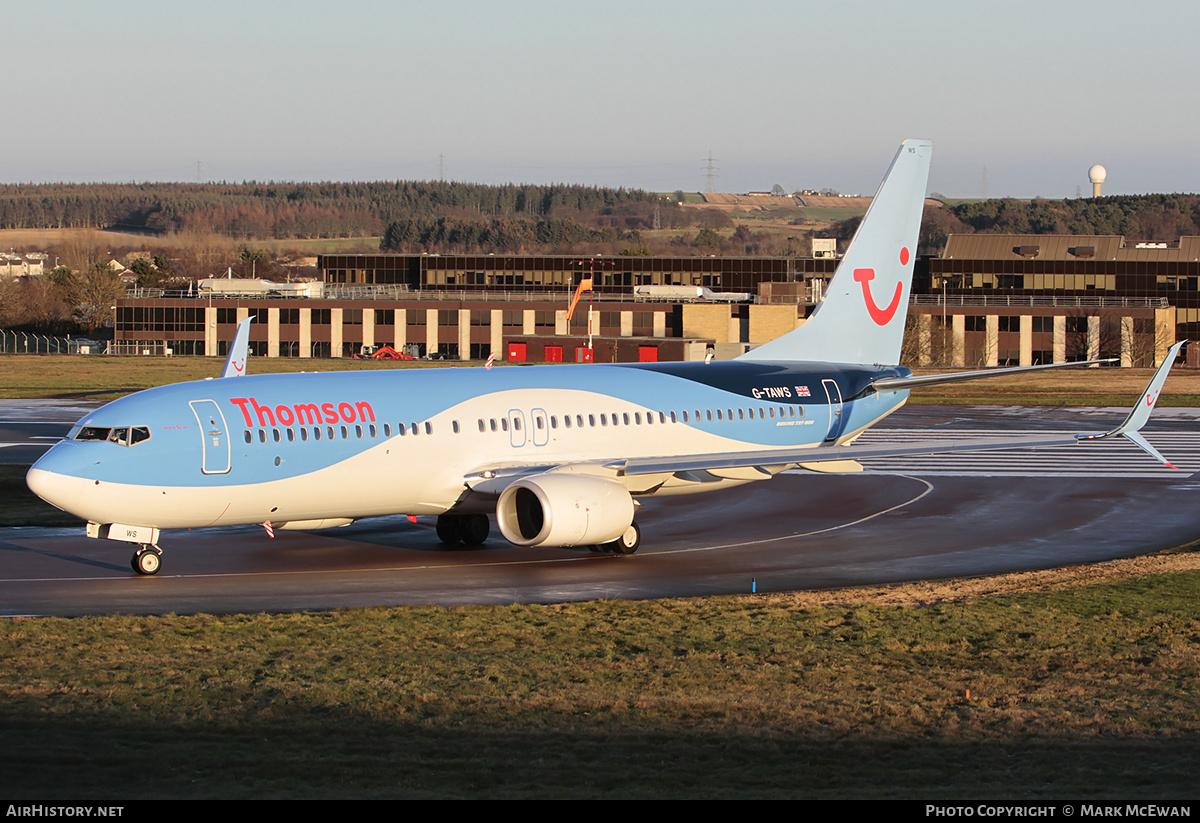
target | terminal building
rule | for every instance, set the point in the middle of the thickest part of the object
(987, 300)
(995, 299)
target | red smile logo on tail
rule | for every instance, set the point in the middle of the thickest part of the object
(881, 316)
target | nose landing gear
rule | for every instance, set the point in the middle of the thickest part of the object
(147, 559)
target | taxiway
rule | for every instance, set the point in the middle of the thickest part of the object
(797, 531)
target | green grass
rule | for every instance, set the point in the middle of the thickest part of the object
(826, 215)
(1072, 387)
(1089, 692)
(325, 245)
(107, 378)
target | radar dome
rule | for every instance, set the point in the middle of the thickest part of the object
(1097, 173)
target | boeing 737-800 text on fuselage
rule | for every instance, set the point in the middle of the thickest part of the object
(562, 455)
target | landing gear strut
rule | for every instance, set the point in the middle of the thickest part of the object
(468, 529)
(147, 559)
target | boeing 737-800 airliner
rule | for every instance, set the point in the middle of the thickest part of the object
(561, 455)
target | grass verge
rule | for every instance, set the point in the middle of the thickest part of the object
(1083, 693)
(107, 378)
(1069, 387)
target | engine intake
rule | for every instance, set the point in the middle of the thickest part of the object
(563, 510)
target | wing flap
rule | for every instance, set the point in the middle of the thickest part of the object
(823, 454)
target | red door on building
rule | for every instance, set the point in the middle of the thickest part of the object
(516, 352)
(647, 354)
(554, 354)
(583, 354)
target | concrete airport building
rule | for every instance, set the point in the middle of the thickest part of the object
(987, 300)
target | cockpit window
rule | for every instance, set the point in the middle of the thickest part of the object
(121, 435)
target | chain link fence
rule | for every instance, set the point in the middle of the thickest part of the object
(14, 342)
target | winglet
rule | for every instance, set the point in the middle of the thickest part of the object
(235, 364)
(1140, 413)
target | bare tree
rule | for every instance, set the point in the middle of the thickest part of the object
(94, 293)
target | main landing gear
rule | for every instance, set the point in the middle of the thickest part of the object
(147, 559)
(627, 543)
(467, 529)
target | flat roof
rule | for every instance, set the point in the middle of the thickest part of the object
(1067, 247)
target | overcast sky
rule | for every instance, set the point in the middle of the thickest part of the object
(617, 93)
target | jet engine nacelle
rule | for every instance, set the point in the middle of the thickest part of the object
(563, 510)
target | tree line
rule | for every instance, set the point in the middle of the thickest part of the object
(304, 210)
(1154, 218)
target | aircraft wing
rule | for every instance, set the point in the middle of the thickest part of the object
(914, 381)
(820, 454)
(492, 480)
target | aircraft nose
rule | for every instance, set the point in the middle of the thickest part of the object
(51, 480)
(54, 488)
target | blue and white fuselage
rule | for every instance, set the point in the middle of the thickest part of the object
(340, 446)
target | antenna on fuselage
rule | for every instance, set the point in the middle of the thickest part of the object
(235, 364)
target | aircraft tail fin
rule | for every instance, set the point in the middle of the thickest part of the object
(861, 319)
(235, 363)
